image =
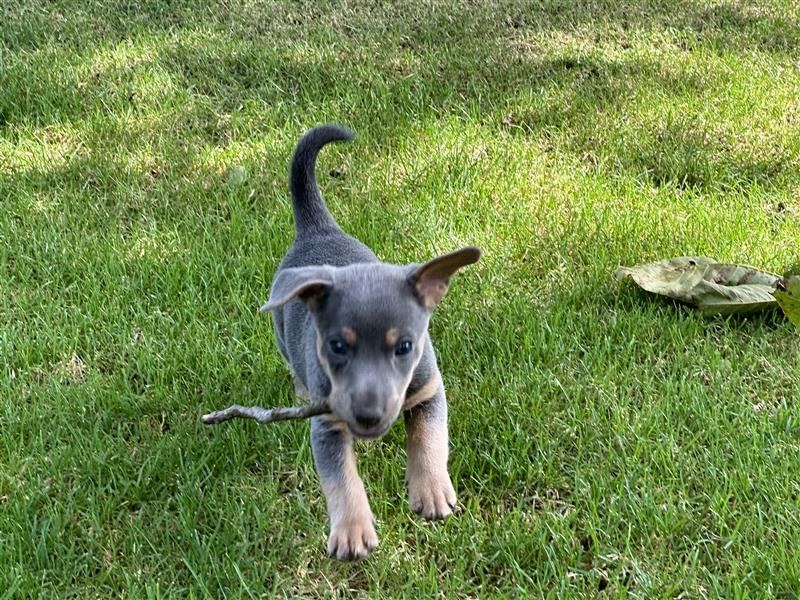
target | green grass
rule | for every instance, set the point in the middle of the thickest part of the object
(603, 443)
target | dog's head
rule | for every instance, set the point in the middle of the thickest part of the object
(371, 320)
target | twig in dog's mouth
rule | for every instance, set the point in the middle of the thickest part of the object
(265, 415)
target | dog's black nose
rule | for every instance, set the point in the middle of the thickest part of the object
(367, 419)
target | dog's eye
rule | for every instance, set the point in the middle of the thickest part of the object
(338, 347)
(403, 348)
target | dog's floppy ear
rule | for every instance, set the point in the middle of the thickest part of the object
(430, 280)
(306, 283)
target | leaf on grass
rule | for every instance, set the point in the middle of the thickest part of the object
(713, 287)
(789, 299)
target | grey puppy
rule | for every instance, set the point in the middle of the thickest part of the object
(354, 332)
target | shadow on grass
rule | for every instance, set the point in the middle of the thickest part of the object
(386, 66)
(724, 25)
(382, 71)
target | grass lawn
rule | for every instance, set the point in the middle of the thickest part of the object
(603, 443)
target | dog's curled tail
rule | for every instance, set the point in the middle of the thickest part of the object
(310, 211)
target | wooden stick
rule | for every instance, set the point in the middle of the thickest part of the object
(265, 415)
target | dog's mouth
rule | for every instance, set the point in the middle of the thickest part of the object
(368, 433)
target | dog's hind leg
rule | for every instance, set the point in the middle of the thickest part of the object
(430, 491)
(352, 534)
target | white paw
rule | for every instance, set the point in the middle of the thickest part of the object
(353, 538)
(432, 496)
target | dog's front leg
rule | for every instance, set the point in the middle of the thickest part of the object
(352, 534)
(430, 491)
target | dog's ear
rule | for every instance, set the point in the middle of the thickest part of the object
(430, 280)
(306, 283)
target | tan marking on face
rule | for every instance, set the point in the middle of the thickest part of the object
(349, 335)
(325, 366)
(336, 396)
(335, 423)
(300, 390)
(426, 392)
(392, 334)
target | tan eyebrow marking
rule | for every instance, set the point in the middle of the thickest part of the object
(392, 334)
(349, 335)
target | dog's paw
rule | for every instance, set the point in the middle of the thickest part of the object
(432, 496)
(353, 538)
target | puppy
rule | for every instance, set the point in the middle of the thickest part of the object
(353, 331)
